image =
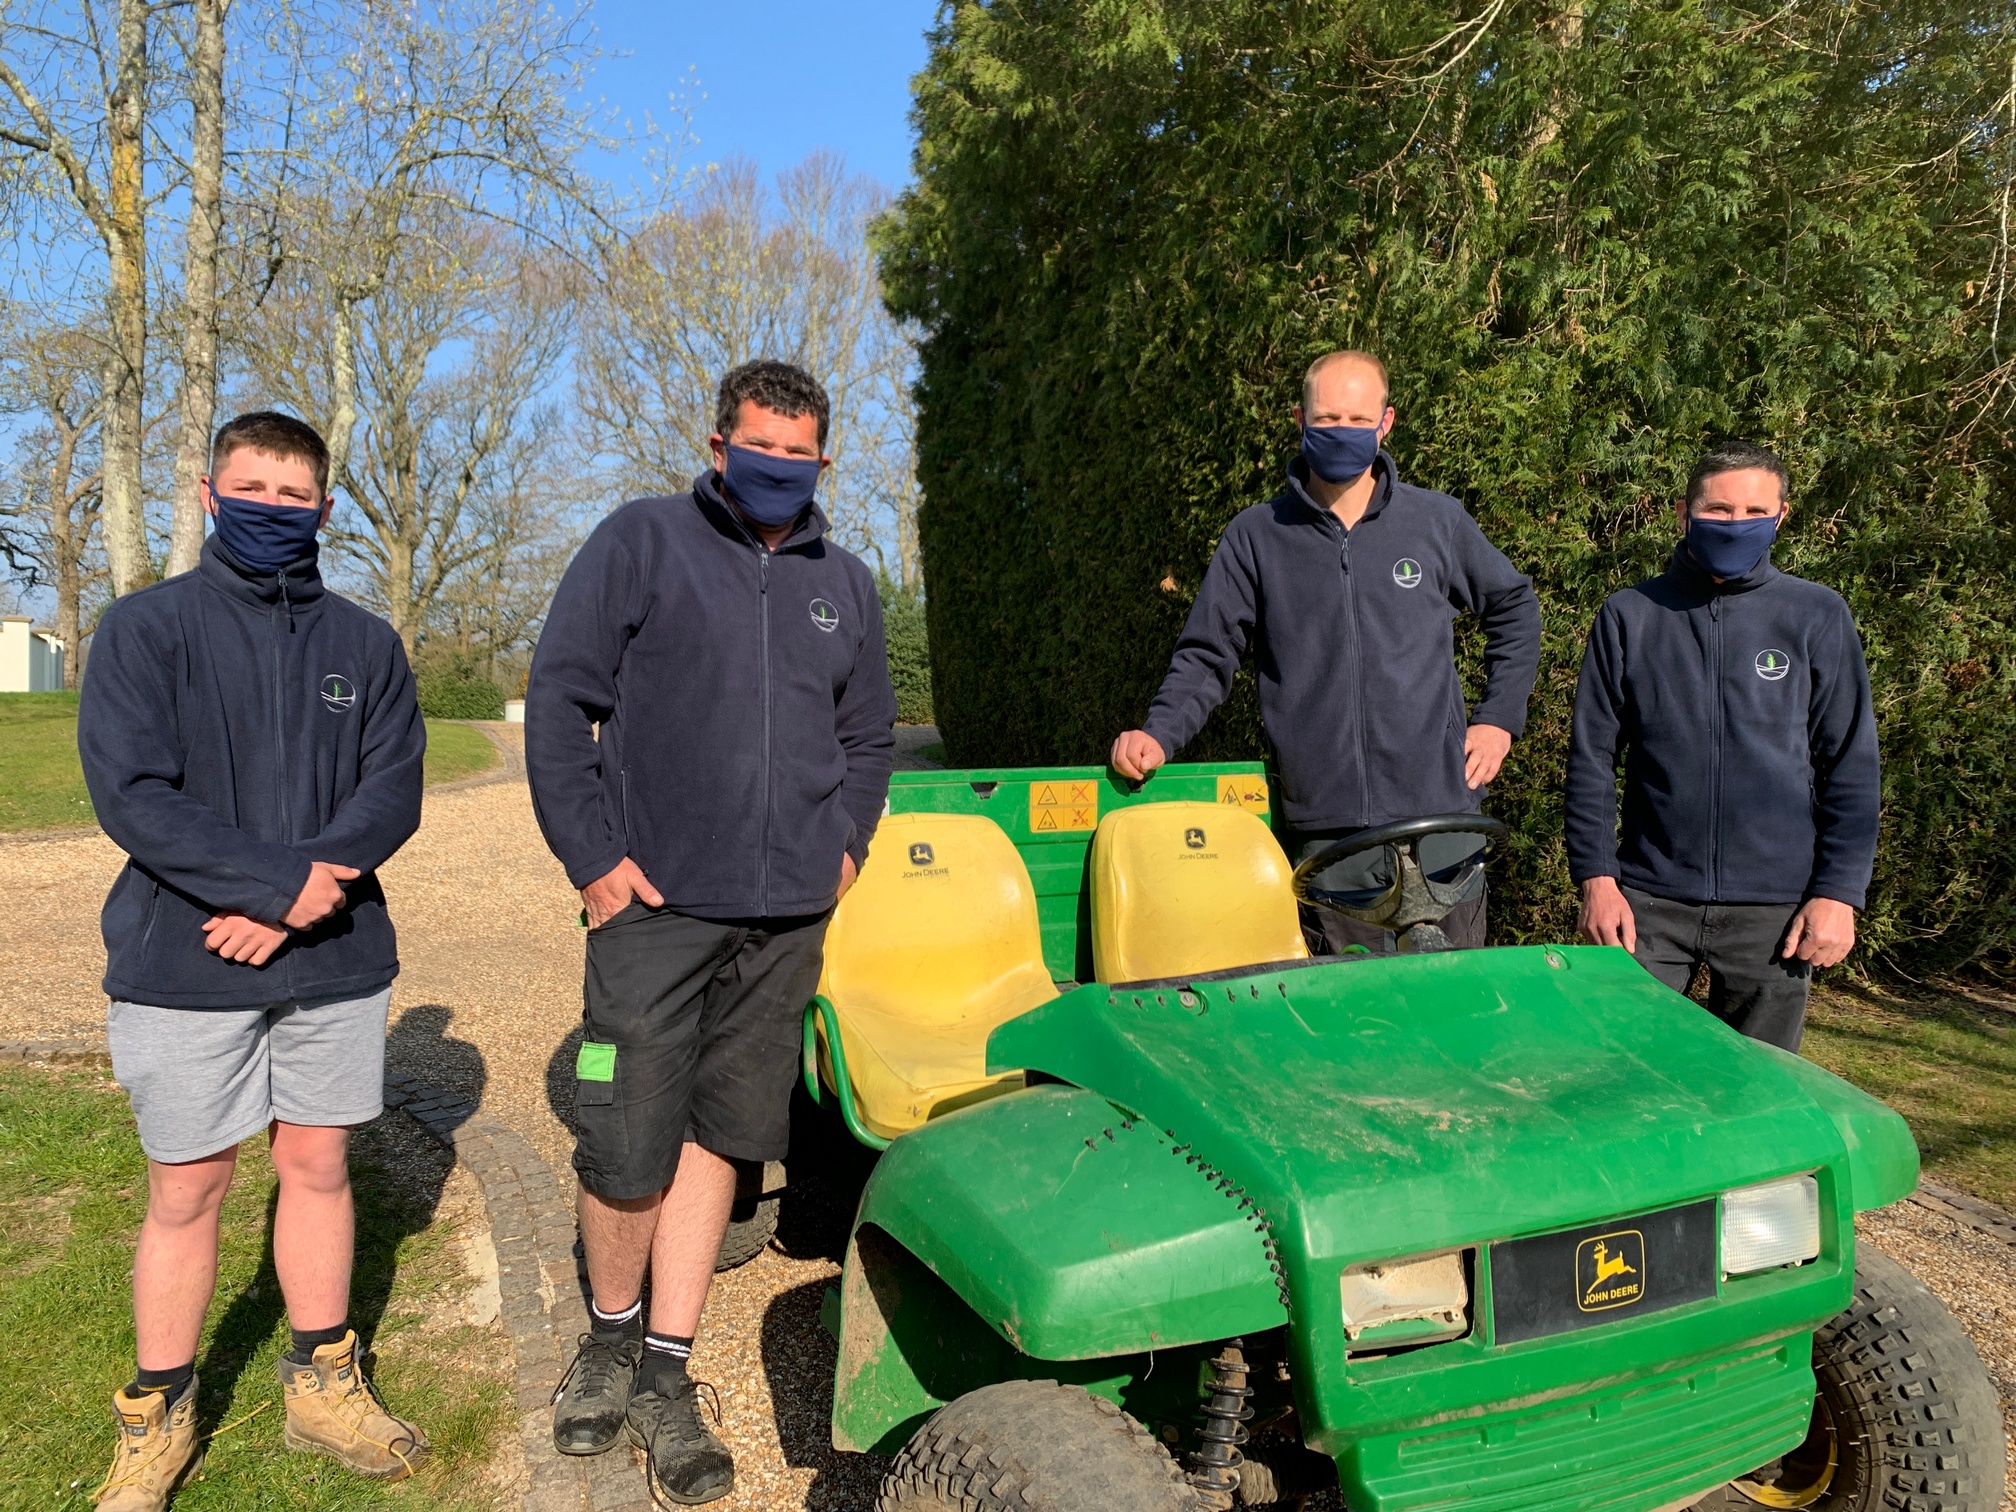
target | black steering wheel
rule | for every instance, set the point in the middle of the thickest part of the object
(1414, 903)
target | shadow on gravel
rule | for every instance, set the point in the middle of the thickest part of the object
(824, 1175)
(420, 1044)
(798, 1360)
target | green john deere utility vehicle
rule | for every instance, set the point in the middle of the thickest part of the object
(1170, 1215)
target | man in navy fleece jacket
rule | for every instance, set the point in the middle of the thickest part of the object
(1346, 587)
(708, 737)
(1738, 698)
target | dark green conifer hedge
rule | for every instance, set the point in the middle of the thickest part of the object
(1589, 236)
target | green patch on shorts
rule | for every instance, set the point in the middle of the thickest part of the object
(595, 1063)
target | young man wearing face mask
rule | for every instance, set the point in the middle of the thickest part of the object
(732, 657)
(1738, 698)
(252, 742)
(1345, 587)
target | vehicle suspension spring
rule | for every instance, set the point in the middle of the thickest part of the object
(1216, 1464)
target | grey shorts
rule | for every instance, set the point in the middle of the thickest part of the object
(203, 1079)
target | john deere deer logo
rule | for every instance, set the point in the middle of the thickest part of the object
(920, 854)
(1610, 1270)
(1194, 838)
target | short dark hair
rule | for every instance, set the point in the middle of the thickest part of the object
(277, 435)
(790, 391)
(1737, 456)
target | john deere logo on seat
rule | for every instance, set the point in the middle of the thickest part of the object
(1194, 838)
(825, 616)
(1772, 665)
(920, 854)
(1407, 573)
(1610, 1270)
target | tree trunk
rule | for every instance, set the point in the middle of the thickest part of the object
(66, 548)
(126, 307)
(342, 386)
(399, 592)
(199, 284)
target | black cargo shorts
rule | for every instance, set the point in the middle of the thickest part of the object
(692, 1029)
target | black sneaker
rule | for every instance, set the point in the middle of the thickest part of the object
(590, 1402)
(688, 1464)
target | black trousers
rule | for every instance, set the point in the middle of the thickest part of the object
(1750, 987)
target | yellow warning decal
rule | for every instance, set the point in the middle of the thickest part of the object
(1244, 792)
(1057, 806)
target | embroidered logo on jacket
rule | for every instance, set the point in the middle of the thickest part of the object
(1407, 573)
(1772, 665)
(825, 616)
(338, 692)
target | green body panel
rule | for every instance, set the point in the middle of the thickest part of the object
(1882, 1155)
(1074, 1232)
(1057, 858)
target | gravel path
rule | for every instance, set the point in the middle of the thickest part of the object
(486, 1005)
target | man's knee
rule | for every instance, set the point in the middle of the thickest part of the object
(312, 1159)
(190, 1191)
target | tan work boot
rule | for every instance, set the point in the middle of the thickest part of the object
(158, 1450)
(332, 1410)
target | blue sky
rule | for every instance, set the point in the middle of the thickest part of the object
(780, 78)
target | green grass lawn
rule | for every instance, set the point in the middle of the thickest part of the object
(73, 1189)
(42, 786)
(1944, 1059)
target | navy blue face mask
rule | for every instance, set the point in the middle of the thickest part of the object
(1339, 453)
(771, 490)
(265, 537)
(1729, 549)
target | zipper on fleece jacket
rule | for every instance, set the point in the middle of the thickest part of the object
(1354, 665)
(1717, 719)
(769, 777)
(280, 736)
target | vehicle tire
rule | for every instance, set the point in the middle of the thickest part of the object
(752, 1221)
(1034, 1446)
(1905, 1411)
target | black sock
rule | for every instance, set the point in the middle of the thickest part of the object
(665, 1358)
(174, 1381)
(308, 1340)
(627, 1324)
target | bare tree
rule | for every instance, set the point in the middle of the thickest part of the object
(90, 145)
(452, 356)
(49, 514)
(738, 273)
(202, 240)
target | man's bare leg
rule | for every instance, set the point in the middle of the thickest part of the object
(175, 1266)
(616, 1240)
(314, 1223)
(691, 1221)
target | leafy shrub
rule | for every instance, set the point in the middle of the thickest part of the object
(449, 693)
(1589, 237)
(909, 652)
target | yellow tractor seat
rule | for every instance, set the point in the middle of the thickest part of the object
(935, 945)
(1180, 889)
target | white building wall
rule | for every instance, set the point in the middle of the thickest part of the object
(31, 660)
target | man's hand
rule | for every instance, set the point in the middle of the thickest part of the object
(848, 872)
(320, 896)
(1136, 754)
(1606, 913)
(1484, 748)
(609, 895)
(237, 937)
(1822, 933)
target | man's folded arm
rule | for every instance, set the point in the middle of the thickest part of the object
(1214, 638)
(126, 738)
(572, 688)
(384, 811)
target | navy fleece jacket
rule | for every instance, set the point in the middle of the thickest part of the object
(1743, 716)
(744, 702)
(1354, 648)
(234, 727)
